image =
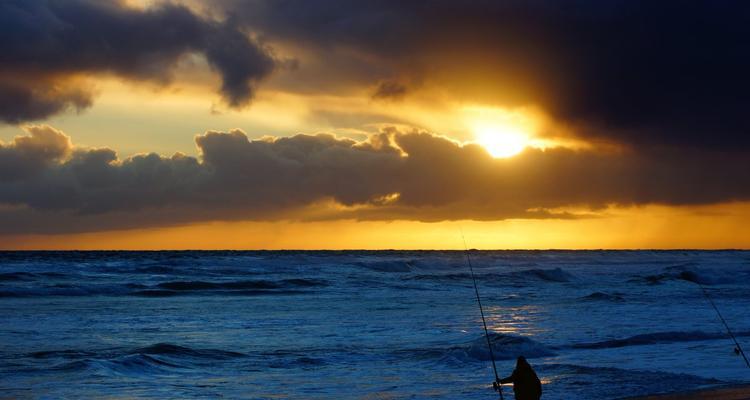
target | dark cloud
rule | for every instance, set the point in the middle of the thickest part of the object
(50, 186)
(641, 72)
(28, 100)
(44, 43)
(389, 90)
(241, 62)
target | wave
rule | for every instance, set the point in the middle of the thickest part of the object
(249, 293)
(514, 278)
(62, 354)
(504, 347)
(29, 276)
(688, 272)
(310, 361)
(153, 270)
(305, 282)
(387, 266)
(172, 288)
(239, 285)
(16, 276)
(603, 382)
(653, 279)
(139, 364)
(182, 351)
(65, 291)
(552, 275)
(167, 358)
(707, 277)
(155, 293)
(655, 338)
(154, 360)
(446, 278)
(602, 296)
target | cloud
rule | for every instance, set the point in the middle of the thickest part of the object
(32, 153)
(47, 185)
(29, 100)
(389, 90)
(644, 73)
(46, 43)
(641, 73)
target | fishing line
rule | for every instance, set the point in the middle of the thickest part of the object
(738, 348)
(484, 322)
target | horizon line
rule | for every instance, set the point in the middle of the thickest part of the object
(364, 250)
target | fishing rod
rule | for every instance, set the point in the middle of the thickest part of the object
(496, 385)
(737, 348)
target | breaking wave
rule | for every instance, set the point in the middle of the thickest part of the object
(139, 364)
(504, 347)
(157, 359)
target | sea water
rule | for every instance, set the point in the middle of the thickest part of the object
(370, 325)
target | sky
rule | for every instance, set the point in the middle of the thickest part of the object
(375, 124)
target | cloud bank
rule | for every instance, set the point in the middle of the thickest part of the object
(48, 185)
(664, 81)
(45, 45)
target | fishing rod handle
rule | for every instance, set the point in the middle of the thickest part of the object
(498, 387)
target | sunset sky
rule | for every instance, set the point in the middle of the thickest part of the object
(298, 124)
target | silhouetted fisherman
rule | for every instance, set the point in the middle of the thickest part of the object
(526, 385)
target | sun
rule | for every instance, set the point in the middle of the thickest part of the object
(504, 132)
(501, 140)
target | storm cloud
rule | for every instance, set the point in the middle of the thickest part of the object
(644, 73)
(46, 44)
(56, 187)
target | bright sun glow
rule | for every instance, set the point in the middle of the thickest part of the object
(503, 132)
(501, 141)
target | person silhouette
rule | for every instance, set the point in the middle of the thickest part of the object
(526, 385)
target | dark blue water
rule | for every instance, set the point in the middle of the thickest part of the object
(376, 325)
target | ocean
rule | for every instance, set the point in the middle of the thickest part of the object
(367, 324)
